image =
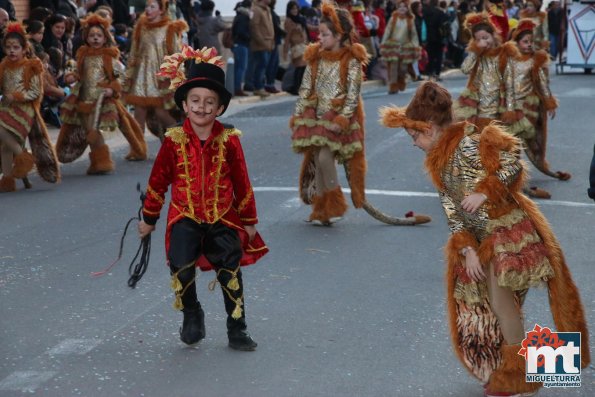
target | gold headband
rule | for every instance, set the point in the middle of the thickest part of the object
(394, 117)
(329, 11)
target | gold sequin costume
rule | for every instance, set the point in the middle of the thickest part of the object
(531, 92)
(330, 93)
(399, 48)
(508, 231)
(21, 79)
(461, 176)
(534, 99)
(541, 31)
(151, 42)
(96, 70)
(400, 42)
(330, 96)
(490, 89)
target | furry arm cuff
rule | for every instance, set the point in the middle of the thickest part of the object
(550, 103)
(342, 122)
(18, 97)
(458, 241)
(493, 188)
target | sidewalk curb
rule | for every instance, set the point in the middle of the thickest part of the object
(366, 84)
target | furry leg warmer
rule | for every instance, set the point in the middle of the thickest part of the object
(101, 161)
(23, 163)
(7, 184)
(401, 82)
(393, 88)
(336, 205)
(318, 208)
(510, 375)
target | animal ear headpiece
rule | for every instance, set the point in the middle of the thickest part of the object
(394, 117)
(16, 27)
(330, 12)
(95, 20)
(431, 104)
(524, 25)
(478, 18)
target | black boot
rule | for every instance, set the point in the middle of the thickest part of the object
(239, 338)
(193, 327)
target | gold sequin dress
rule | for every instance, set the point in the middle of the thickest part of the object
(464, 173)
(151, 42)
(330, 94)
(22, 80)
(508, 231)
(400, 42)
(97, 69)
(532, 93)
(489, 92)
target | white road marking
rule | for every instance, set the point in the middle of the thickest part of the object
(26, 381)
(403, 193)
(74, 346)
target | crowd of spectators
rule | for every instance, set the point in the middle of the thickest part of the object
(267, 44)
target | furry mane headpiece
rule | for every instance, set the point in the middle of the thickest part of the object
(329, 12)
(95, 20)
(524, 25)
(431, 104)
(478, 18)
(16, 27)
(394, 117)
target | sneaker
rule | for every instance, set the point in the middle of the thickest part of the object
(240, 93)
(261, 93)
(272, 90)
(248, 88)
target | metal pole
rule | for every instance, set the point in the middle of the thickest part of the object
(230, 75)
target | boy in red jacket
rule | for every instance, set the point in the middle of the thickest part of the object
(212, 213)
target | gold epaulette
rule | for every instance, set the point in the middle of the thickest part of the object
(233, 131)
(177, 135)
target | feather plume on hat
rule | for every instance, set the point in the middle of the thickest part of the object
(173, 65)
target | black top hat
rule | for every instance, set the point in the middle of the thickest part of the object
(207, 75)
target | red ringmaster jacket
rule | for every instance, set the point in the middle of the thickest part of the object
(209, 184)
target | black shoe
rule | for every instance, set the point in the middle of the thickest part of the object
(241, 340)
(193, 327)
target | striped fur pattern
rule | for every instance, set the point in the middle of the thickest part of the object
(71, 143)
(46, 160)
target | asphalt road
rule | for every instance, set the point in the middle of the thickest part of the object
(357, 309)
